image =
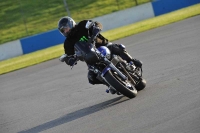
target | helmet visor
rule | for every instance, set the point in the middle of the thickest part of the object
(64, 30)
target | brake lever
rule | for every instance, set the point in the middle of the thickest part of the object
(75, 63)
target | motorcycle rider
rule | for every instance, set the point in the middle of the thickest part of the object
(83, 31)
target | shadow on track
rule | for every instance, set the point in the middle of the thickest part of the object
(76, 115)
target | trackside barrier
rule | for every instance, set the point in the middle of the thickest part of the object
(165, 6)
(41, 41)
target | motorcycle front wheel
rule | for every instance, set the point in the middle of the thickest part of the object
(119, 86)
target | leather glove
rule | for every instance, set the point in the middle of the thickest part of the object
(71, 61)
(96, 30)
(95, 33)
(63, 57)
(137, 63)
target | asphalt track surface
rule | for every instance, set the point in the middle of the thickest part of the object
(52, 98)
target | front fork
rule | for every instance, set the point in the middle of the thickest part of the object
(111, 66)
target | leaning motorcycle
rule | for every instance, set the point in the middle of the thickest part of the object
(111, 69)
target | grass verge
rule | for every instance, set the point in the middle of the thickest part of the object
(54, 52)
(30, 17)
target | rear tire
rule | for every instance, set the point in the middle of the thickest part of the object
(119, 86)
(141, 85)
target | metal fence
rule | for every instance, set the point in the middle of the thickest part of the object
(23, 18)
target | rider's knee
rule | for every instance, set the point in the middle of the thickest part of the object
(92, 78)
(116, 48)
(122, 47)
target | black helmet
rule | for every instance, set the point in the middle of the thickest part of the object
(65, 22)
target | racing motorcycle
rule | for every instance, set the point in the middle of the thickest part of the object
(111, 69)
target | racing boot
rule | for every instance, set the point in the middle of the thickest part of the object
(93, 80)
(111, 90)
(126, 56)
(137, 63)
(129, 59)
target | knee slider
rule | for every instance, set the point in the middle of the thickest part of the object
(121, 46)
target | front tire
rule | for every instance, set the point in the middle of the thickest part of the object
(119, 86)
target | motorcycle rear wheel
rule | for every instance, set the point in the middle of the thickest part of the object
(141, 85)
(120, 86)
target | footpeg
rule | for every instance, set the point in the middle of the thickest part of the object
(111, 90)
